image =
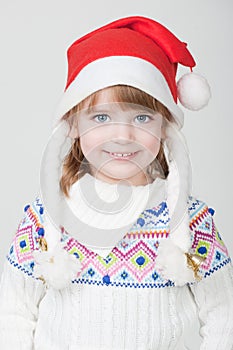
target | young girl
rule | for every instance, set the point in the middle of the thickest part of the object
(116, 253)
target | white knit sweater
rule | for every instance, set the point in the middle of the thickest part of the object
(89, 314)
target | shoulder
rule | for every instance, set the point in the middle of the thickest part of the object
(25, 241)
(199, 211)
(200, 216)
(205, 237)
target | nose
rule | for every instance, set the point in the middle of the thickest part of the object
(123, 133)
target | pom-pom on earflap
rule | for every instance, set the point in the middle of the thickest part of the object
(193, 91)
(53, 264)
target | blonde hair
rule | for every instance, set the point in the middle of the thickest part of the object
(75, 165)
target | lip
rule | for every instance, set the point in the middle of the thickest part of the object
(122, 155)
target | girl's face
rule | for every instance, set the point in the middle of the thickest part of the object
(119, 140)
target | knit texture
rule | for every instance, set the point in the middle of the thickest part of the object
(120, 302)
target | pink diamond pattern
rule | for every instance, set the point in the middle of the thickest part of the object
(24, 235)
(204, 229)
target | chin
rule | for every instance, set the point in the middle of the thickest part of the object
(133, 177)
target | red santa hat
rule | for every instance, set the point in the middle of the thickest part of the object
(134, 51)
(142, 53)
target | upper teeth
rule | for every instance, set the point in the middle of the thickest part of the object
(122, 154)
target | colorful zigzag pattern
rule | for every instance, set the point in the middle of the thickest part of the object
(132, 262)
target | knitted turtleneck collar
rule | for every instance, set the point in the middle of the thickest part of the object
(109, 210)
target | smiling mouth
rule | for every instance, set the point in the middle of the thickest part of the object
(118, 155)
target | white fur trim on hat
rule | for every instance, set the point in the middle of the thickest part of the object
(116, 70)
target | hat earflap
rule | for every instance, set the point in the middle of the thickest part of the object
(193, 91)
(171, 260)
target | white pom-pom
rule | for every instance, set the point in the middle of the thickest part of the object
(193, 91)
(57, 268)
(172, 263)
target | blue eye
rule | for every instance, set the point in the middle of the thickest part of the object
(101, 118)
(142, 118)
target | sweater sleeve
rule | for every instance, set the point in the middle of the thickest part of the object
(20, 292)
(214, 293)
(214, 299)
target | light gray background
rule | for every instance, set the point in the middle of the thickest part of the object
(34, 39)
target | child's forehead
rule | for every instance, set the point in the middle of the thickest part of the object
(106, 95)
(109, 100)
(101, 97)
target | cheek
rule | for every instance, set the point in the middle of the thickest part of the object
(87, 144)
(91, 141)
(150, 141)
(152, 146)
